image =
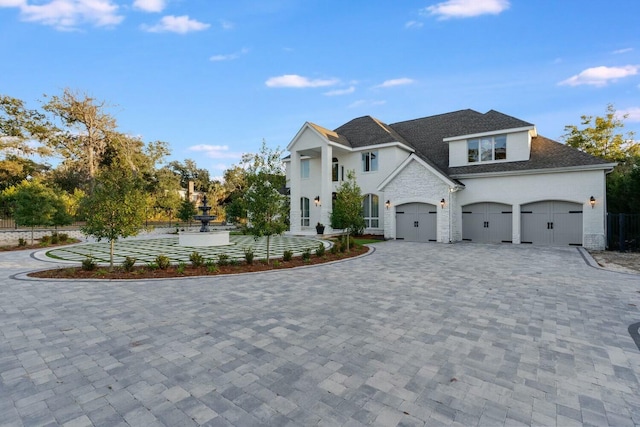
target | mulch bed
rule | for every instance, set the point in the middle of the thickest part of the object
(144, 272)
(36, 246)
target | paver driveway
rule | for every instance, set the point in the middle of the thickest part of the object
(411, 334)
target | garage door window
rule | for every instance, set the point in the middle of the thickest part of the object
(371, 211)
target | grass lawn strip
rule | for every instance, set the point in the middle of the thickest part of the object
(146, 251)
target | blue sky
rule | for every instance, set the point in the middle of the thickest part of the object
(214, 78)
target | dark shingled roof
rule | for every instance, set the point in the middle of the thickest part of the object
(426, 136)
(366, 130)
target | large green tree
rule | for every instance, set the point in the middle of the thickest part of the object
(116, 207)
(604, 137)
(265, 204)
(347, 211)
(20, 131)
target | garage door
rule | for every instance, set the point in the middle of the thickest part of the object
(416, 222)
(487, 223)
(551, 223)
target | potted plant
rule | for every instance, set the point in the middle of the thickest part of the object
(320, 228)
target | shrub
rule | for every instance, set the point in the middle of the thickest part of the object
(234, 262)
(63, 237)
(128, 263)
(248, 255)
(181, 267)
(89, 264)
(211, 266)
(343, 240)
(45, 240)
(287, 255)
(55, 239)
(22, 242)
(223, 259)
(163, 262)
(306, 254)
(102, 272)
(196, 259)
(276, 264)
(152, 265)
(336, 247)
(320, 250)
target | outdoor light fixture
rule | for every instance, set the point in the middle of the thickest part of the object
(317, 200)
(592, 201)
(442, 202)
(387, 204)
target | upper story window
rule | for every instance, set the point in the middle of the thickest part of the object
(369, 161)
(304, 168)
(335, 170)
(487, 149)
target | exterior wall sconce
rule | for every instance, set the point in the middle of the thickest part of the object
(316, 200)
(442, 202)
(387, 204)
(592, 201)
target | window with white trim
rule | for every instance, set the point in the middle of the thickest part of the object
(304, 211)
(304, 169)
(371, 210)
(487, 149)
(370, 161)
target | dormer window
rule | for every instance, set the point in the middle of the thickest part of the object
(487, 149)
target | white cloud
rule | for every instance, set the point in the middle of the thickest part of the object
(625, 50)
(633, 114)
(12, 3)
(600, 76)
(177, 24)
(215, 151)
(229, 56)
(339, 92)
(150, 5)
(69, 14)
(466, 8)
(396, 82)
(296, 81)
(226, 25)
(366, 103)
(413, 24)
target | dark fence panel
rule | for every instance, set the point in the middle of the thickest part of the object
(623, 232)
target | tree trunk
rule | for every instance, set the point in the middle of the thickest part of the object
(111, 244)
(268, 237)
(32, 235)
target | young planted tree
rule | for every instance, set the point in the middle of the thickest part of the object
(116, 207)
(265, 205)
(186, 211)
(35, 205)
(347, 210)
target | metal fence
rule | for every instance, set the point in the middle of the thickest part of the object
(623, 232)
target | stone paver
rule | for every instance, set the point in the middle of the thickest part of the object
(412, 334)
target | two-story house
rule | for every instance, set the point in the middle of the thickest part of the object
(457, 176)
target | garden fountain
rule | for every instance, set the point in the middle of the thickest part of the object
(205, 237)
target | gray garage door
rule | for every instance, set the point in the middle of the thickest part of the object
(551, 223)
(487, 223)
(416, 222)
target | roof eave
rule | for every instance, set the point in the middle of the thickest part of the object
(604, 166)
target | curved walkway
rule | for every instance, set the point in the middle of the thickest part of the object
(413, 334)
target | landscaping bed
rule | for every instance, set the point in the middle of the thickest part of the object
(186, 270)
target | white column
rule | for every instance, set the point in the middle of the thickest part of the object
(294, 194)
(326, 186)
(515, 224)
